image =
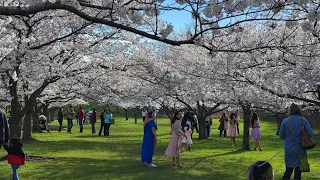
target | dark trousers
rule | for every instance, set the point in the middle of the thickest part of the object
(208, 126)
(101, 127)
(93, 127)
(81, 125)
(194, 127)
(106, 129)
(70, 124)
(60, 125)
(238, 128)
(224, 133)
(289, 171)
(143, 118)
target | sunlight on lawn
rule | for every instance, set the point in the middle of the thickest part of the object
(87, 156)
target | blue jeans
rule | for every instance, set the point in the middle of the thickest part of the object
(70, 124)
(208, 126)
(15, 171)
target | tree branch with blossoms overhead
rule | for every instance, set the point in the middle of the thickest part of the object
(208, 16)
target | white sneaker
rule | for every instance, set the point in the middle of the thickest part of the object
(152, 165)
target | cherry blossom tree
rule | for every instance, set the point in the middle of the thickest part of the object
(42, 56)
(208, 19)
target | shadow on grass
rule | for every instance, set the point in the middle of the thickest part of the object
(85, 168)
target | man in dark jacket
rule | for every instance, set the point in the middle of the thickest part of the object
(93, 120)
(4, 126)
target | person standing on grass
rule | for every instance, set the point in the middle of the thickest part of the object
(187, 138)
(188, 119)
(195, 126)
(208, 126)
(107, 122)
(81, 118)
(290, 131)
(232, 130)
(102, 121)
(70, 115)
(16, 156)
(255, 133)
(173, 149)
(4, 126)
(60, 118)
(237, 121)
(143, 114)
(223, 127)
(93, 120)
(149, 139)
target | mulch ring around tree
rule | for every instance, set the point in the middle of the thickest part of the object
(32, 158)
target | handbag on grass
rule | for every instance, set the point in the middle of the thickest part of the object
(306, 141)
(304, 164)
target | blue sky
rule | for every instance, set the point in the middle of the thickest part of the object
(179, 19)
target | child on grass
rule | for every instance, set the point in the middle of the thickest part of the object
(16, 156)
(187, 138)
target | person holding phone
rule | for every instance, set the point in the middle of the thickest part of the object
(149, 139)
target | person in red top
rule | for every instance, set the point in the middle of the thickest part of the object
(16, 156)
(93, 120)
(81, 118)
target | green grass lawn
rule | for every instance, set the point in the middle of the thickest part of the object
(87, 156)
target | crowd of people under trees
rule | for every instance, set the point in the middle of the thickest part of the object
(182, 128)
(183, 124)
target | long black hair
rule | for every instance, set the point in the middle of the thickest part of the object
(253, 118)
(188, 116)
(232, 116)
(175, 117)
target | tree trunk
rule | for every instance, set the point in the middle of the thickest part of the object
(278, 122)
(15, 126)
(27, 126)
(35, 119)
(246, 129)
(16, 115)
(202, 128)
(126, 112)
(136, 115)
(169, 111)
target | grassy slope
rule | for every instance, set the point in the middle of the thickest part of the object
(86, 156)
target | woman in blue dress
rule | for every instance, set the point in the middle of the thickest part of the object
(149, 139)
(289, 126)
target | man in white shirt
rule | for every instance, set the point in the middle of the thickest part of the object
(143, 114)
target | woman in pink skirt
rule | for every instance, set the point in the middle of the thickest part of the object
(232, 129)
(255, 133)
(173, 149)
